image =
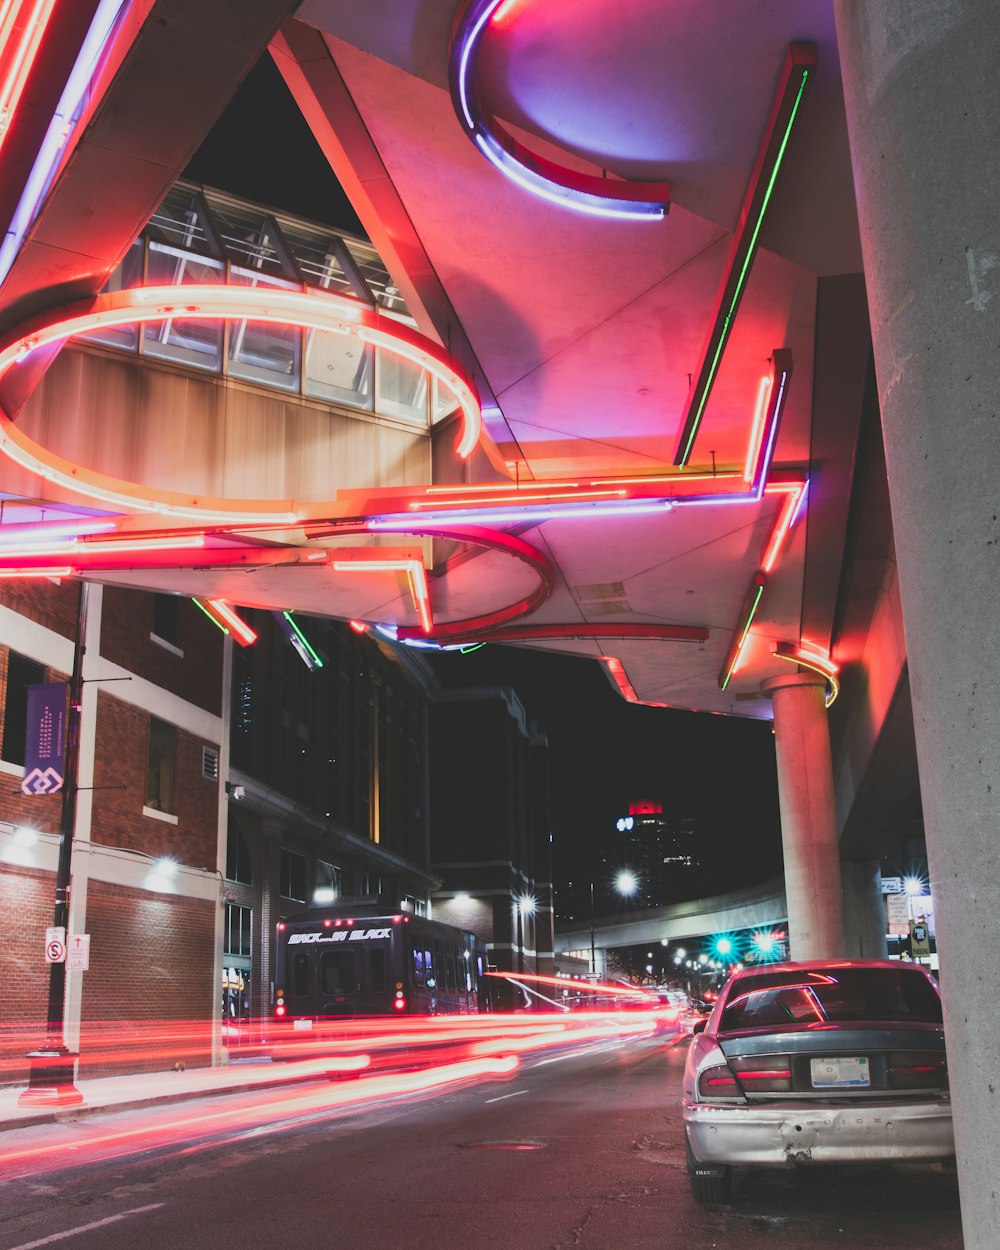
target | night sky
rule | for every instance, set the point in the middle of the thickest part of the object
(604, 752)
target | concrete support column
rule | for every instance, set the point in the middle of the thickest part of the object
(864, 912)
(922, 95)
(808, 820)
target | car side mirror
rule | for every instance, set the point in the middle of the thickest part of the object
(699, 1026)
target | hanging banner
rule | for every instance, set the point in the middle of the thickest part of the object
(45, 739)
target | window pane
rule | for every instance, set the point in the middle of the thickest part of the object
(338, 972)
(402, 388)
(160, 766)
(260, 351)
(249, 238)
(300, 974)
(180, 222)
(197, 343)
(293, 876)
(166, 617)
(238, 866)
(21, 673)
(338, 368)
(384, 290)
(376, 969)
(127, 276)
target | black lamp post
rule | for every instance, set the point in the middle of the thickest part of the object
(52, 1065)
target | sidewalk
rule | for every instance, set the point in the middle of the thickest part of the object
(123, 1092)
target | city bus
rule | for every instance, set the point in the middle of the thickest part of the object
(352, 960)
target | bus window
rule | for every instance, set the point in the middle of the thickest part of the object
(450, 970)
(376, 969)
(300, 975)
(338, 973)
(429, 968)
(418, 965)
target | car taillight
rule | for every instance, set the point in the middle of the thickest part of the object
(917, 1070)
(764, 1074)
(718, 1082)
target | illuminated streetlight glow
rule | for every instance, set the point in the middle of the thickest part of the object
(626, 883)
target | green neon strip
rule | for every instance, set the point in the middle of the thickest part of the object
(217, 624)
(303, 639)
(469, 650)
(743, 636)
(744, 272)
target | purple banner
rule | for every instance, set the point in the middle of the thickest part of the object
(45, 739)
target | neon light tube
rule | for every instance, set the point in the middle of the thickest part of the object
(421, 595)
(217, 302)
(74, 547)
(198, 603)
(757, 429)
(18, 52)
(401, 522)
(42, 531)
(800, 61)
(750, 605)
(820, 663)
(35, 572)
(789, 509)
(60, 130)
(226, 618)
(416, 578)
(586, 193)
(306, 652)
(500, 486)
(518, 498)
(242, 632)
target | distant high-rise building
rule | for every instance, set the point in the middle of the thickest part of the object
(658, 850)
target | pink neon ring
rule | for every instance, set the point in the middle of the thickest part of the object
(214, 303)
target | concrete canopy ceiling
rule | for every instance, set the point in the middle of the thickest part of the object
(584, 333)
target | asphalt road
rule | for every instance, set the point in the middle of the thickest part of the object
(576, 1152)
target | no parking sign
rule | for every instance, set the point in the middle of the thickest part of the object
(55, 945)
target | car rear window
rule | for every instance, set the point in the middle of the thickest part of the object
(818, 996)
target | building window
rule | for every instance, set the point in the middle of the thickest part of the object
(160, 766)
(166, 617)
(239, 931)
(293, 876)
(327, 887)
(21, 673)
(238, 865)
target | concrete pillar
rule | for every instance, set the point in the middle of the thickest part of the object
(864, 911)
(923, 108)
(808, 820)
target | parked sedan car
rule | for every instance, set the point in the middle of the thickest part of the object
(838, 1061)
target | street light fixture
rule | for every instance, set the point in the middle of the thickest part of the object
(626, 883)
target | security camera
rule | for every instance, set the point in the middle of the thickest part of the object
(236, 792)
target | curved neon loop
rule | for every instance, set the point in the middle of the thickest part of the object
(587, 193)
(817, 661)
(214, 303)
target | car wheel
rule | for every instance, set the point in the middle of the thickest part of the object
(711, 1183)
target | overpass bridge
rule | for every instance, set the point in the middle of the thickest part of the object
(756, 907)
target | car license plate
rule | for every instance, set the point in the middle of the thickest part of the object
(828, 1073)
(302, 1024)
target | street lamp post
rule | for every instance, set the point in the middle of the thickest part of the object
(51, 1071)
(593, 935)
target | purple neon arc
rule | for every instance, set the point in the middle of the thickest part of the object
(598, 197)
